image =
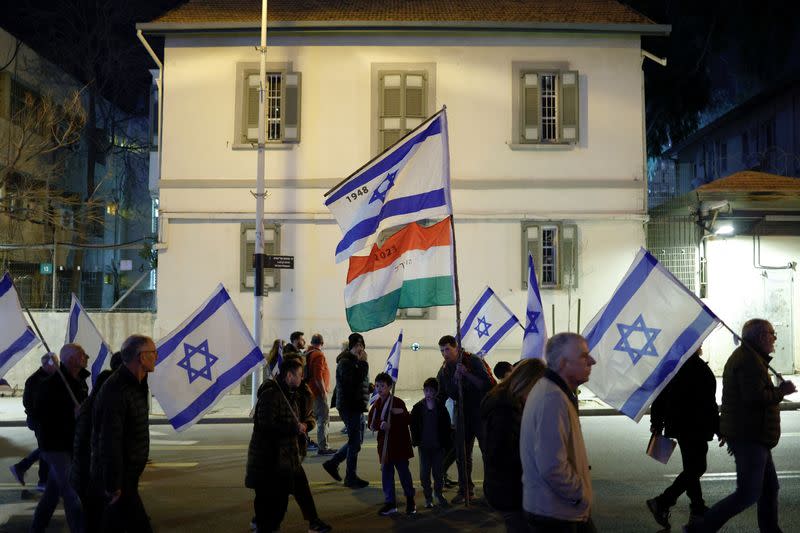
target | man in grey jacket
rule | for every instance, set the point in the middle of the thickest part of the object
(556, 486)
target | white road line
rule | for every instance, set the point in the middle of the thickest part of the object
(716, 476)
(172, 465)
(201, 447)
(173, 442)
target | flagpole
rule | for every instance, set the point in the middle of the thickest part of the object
(749, 346)
(258, 255)
(386, 433)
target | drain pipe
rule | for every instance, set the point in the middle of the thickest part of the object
(791, 265)
(160, 87)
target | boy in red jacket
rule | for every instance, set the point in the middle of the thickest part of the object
(389, 417)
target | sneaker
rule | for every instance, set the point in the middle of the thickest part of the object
(312, 446)
(344, 430)
(18, 474)
(332, 469)
(441, 500)
(459, 498)
(660, 514)
(356, 483)
(326, 451)
(449, 483)
(318, 526)
(428, 503)
(253, 525)
(41, 486)
(411, 508)
(387, 509)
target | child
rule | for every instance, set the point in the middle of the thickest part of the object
(431, 434)
(398, 444)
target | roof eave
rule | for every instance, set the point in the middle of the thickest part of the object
(164, 28)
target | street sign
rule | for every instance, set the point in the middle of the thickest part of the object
(45, 268)
(280, 261)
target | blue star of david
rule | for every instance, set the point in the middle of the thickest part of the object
(186, 362)
(650, 334)
(532, 317)
(379, 194)
(482, 331)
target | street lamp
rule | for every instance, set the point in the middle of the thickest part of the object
(725, 229)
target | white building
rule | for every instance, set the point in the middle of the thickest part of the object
(545, 101)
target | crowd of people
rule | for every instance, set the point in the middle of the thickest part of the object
(524, 418)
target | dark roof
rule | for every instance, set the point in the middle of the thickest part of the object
(207, 14)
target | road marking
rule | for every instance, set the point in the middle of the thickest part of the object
(791, 434)
(727, 476)
(203, 447)
(172, 465)
(174, 442)
(159, 433)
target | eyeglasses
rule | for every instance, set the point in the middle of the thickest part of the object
(148, 351)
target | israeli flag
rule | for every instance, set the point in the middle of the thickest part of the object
(81, 330)
(16, 336)
(643, 335)
(408, 182)
(535, 336)
(392, 364)
(275, 369)
(204, 357)
(487, 323)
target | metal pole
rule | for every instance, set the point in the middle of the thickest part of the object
(553, 318)
(579, 316)
(258, 256)
(55, 279)
(130, 290)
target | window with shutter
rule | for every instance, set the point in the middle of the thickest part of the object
(549, 107)
(554, 247)
(281, 107)
(272, 246)
(403, 105)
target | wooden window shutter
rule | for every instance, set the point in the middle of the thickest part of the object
(531, 237)
(529, 128)
(291, 107)
(414, 100)
(569, 256)
(391, 119)
(250, 132)
(569, 119)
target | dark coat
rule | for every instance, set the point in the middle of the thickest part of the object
(305, 413)
(399, 436)
(79, 472)
(501, 418)
(352, 383)
(274, 453)
(687, 407)
(444, 429)
(120, 431)
(55, 410)
(31, 392)
(749, 399)
(473, 395)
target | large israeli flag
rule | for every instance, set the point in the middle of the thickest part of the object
(408, 182)
(535, 336)
(204, 357)
(486, 324)
(643, 335)
(81, 330)
(16, 336)
(392, 364)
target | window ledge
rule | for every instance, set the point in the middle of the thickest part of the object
(268, 146)
(541, 146)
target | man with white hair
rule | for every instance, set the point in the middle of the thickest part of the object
(557, 488)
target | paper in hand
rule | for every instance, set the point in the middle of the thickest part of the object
(660, 448)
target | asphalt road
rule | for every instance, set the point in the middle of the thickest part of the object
(195, 484)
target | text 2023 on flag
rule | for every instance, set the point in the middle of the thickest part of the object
(535, 336)
(209, 353)
(643, 335)
(81, 330)
(487, 323)
(412, 269)
(16, 336)
(392, 364)
(409, 182)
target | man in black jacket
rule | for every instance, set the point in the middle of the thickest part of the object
(121, 437)
(352, 396)
(57, 404)
(686, 410)
(18, 470)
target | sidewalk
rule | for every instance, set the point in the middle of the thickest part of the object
(235, 408)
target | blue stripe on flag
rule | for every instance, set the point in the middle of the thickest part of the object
(510, 323)
(474, 311)
(685, 341)
(24, 340)
(385, 164)
(99, 361)
(213, 305)
(621, 298)
(73, 322)
(225, 380)
(394, 207)
(5, 284)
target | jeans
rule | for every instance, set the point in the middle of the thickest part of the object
(756, 482)
(322, 414)
(693, 455)
(58, 486)
(127, 514)
(464, 443)
(431, 459)
(387, 480)
(545, 524)
(354, 422)
(271, 501)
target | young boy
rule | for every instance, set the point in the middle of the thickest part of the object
(431, 434)
(393, 436)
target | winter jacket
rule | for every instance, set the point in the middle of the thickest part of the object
(399, 436)
(305, 413)
(750, 410)
(687, 407)
(31, 392)
(274, 453)
(473, 395)
(352, 383)
(55, 410)
(79, 472)
(555, 467)
(318, 375)
(501, 416)
(120, 431)
(444, 428)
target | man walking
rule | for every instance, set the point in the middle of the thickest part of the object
(556, 486)
(352, 396)
(296, 346)
(750, 422)
(57, 404)
(32, 384)
(319, 381)
(121, 437)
